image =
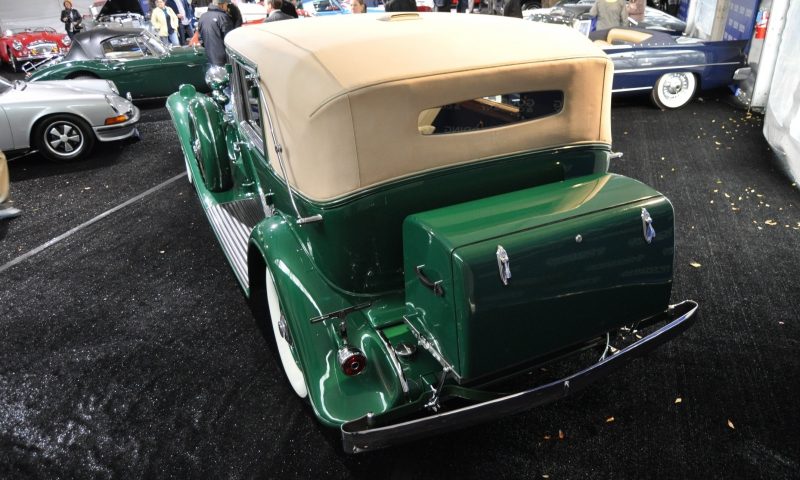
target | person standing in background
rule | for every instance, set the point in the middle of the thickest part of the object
(165, 23)
(359, 6)
(274, 13)
(402, 6)
(212, 28)
(71, 19)
(288, 7)
(672, 7)
(610, 14)
(183, 9)
(636, 9)
(235, 14)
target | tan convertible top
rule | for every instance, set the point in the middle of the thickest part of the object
(347, 92)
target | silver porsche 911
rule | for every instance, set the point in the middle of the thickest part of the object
(63, 119)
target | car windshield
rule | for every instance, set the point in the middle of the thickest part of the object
(16, 31)
(574, 2)
(153, 43)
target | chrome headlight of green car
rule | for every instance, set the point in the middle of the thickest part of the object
(416, 224)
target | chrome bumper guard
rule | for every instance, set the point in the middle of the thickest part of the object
(373, 432)
(119, 131)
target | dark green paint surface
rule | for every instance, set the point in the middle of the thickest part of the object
(151, 76)
(558, 284)
(356, 254)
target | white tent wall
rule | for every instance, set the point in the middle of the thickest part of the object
(36, 13)
(782, 119)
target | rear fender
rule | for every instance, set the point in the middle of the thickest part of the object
(305, 294)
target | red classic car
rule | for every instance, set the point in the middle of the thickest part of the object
(21, 45)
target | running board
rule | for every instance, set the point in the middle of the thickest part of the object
(232, 223)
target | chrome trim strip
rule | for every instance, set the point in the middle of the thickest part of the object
(631, 89)
(395, 362)
(674, 67)
(301, 220)
(231, 224)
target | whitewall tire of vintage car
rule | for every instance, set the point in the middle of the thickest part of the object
(290, 367)
(674, 90)
(63, 138)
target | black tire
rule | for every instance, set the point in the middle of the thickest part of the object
(63, 138)
(530, 5)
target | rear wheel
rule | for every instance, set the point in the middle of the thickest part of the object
(282, 339)
(63, 137)
(674, 90)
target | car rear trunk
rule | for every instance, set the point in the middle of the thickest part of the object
(579, 263)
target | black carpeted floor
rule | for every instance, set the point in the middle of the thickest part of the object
(127, 350)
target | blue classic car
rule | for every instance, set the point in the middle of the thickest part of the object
(673, 68)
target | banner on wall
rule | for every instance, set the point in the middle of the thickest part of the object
(683, 10)
(741, 18)
(704, 17)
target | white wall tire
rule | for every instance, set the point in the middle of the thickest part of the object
(674, 90)
(293, 372)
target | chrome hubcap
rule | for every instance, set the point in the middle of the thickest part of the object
(674, 85)
(64, 138)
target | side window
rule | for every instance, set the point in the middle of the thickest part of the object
(122, 48)
(247, 97)
(489, 112)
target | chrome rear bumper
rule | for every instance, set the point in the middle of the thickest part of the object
(379, 431)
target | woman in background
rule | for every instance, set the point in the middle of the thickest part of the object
(359, 6)
(165, 23)
(71, 19)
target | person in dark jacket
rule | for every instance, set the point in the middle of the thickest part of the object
(71, 19)
(401, 6)
(289, 8)
(235, 14)
(512, 8)
(275, 12)
(212, 28)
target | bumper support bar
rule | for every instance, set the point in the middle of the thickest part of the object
(372, 432)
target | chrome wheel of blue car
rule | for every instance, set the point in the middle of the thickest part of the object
(64, 137)
(282, 338)
(674, 90)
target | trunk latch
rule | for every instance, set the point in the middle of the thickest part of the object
(647, 226)
(502, 264)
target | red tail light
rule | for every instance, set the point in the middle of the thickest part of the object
(352, 360)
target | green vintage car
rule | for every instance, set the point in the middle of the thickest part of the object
(134, 59)
(418, 222)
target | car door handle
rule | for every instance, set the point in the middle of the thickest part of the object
(117, 66)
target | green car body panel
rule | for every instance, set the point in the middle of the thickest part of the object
(147, 77)
(409, 271)
(575, 248)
